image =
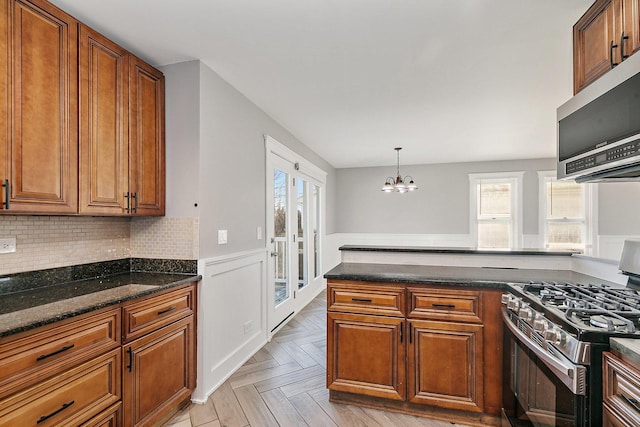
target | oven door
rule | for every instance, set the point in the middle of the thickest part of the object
(539, 385)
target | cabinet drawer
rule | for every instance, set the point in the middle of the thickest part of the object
(621, 388)
(444, 304)
(142, 317)
(70, 398)
(108, 418)
(50, 351)
(366, 299)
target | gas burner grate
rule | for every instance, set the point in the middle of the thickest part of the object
(617, 309)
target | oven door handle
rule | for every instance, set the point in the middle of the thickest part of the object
(571, 375)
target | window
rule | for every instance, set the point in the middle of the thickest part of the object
(496, 210)
(564, 213)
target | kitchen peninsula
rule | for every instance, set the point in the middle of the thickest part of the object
(418, 330)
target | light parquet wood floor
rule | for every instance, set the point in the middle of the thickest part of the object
(283, 384)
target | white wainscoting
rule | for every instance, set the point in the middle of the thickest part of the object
(610, 247)
(232, 316)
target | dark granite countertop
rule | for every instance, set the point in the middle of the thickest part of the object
(486, 277)
(628, 347)
(26, 305)
(445, 250)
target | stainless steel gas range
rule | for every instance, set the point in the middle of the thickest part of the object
(555, 334)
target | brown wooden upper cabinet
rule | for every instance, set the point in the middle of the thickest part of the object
(607, 34)
(122, 161)
(82, 120)
(38, 108)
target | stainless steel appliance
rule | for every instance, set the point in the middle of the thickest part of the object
(599, 128)
(555, 334)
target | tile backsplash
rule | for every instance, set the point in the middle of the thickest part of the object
(44, 242)
(164, 238)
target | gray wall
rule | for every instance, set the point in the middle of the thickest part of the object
(440, 206)
(182, 94)
(216, 136)
(619, 209)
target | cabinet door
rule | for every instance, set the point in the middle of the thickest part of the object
(147, 150)
(611, 419)
(104, 157)
(365, 355)
(158, 373)
(631, 9)
(39, 108)
(445, 364)
(593, 36)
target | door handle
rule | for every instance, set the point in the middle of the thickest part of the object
(611, 47)
(275, 254)
(622, 39)
(7, 193)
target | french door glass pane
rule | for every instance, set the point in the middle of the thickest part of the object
(280, 206)
(302, 237)
(494, 234)
(316, 229)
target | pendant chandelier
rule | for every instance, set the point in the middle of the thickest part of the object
(399, 185)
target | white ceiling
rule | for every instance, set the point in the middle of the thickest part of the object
(448, 80)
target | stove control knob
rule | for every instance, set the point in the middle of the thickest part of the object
(554, 335)
(525, 313)
(540, 324)
(514, 304)
(505, 298)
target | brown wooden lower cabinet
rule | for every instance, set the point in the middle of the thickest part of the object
(108, 418)
(610, 419)
(620, 391)
(95, 370)
(445, 364)
(366, 355)
(428, 358)
(158, 373)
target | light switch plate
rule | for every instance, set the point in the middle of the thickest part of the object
(7, 245)
(259, 233)
(222, 237)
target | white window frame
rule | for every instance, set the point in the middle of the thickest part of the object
(513, 178)
(590, 194)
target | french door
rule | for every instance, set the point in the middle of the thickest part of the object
(294, 213)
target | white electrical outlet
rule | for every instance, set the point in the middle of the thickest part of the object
(248, 326)
(7, 245)
(222, 237)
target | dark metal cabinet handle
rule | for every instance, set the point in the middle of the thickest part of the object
(410, 334)
(56, 412)
(622, 39)
(130, 365)
(434, 305)
(631, 401)
(611, 47)
(361, 300)
(401, 327)
(166, 310)
(7, 193)
(134, 196)
(63, 349)
(126, 196)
